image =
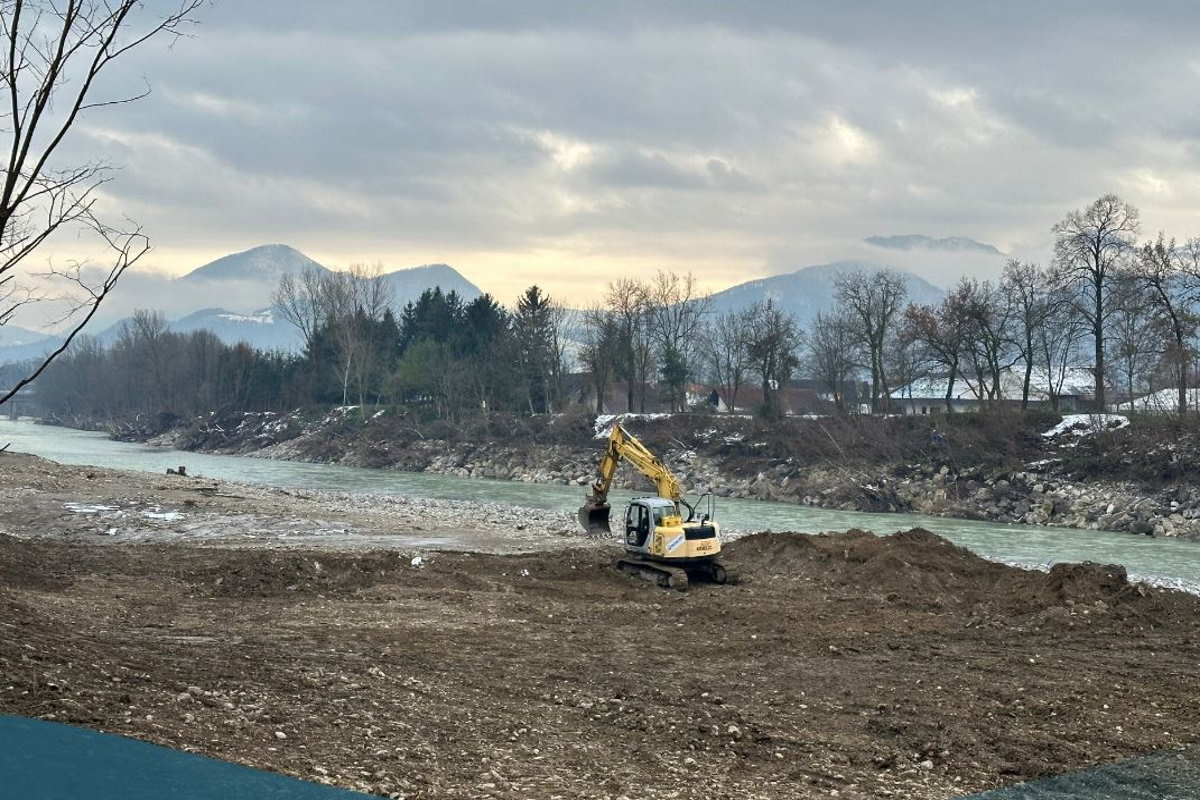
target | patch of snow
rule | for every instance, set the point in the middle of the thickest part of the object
(604, 422)
(163, 516)
(1087, 424)
(88, 508)
(261, 318)
(1044, 462)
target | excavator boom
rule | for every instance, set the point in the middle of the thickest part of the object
(595, 513)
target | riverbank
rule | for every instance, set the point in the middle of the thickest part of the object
(1086, 476)
(874, 667)
(44, 499)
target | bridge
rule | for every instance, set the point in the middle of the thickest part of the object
(21, 404)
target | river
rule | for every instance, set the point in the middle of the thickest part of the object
(1166, 562)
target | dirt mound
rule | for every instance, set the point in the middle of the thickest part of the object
(1087, 581)
(270, 574)
(771, 554)
(921, 570)
(914, 563)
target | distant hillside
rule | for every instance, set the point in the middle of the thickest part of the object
(264, 263)
(245, 281)
(13, 336)
(261, 329)
(408, 284)
(21, 344)
(807, 291)
(917, 241)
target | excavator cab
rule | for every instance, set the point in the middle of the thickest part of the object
(638, 520)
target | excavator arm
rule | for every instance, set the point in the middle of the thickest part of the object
(595, 512)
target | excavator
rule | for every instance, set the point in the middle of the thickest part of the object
(660, 544)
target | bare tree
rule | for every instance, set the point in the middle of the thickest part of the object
(726, 349)
(677, 308)
(1170, 277)
(939, 331)
(601, 341)
(54, 54)
(628, 304)
(833, 354)
(874, 299)
(773, 340)
(1059, 339)
(987, 344)
(300, 300)
(560, 322)
(1132, 324)
(1089, 246)
(1026, 291)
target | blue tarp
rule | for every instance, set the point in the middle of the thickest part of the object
(1166, 775)
(50, 761)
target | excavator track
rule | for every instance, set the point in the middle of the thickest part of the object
(669, 576)
(666, 576)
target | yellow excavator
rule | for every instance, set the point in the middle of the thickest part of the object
(660, 544)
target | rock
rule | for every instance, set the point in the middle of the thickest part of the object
(926, 764)
(280, 735)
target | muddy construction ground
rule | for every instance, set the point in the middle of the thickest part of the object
(840, 665)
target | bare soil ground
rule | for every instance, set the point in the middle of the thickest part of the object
(842, 663)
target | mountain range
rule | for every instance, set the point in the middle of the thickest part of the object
(251, 275)
(810, 290)
(249, 278)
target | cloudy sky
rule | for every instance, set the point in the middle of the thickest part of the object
(569, 143)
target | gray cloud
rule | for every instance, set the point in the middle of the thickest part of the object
(565, 142)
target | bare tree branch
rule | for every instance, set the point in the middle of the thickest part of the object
(52, 55)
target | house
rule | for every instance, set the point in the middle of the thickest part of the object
(1164, 401)
(1075, 387)
(699, 397)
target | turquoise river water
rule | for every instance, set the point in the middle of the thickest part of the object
(1166, 562)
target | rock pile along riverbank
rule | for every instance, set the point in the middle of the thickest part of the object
(1039, 482)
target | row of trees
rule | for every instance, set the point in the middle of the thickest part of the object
(1126, 310)
(657, 336)
(441, 353)
(150, 370)
(1122, 311)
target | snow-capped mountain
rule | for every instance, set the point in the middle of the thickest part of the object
(260, 329)
(265, 264)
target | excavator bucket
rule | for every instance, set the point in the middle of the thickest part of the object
(594, 517)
